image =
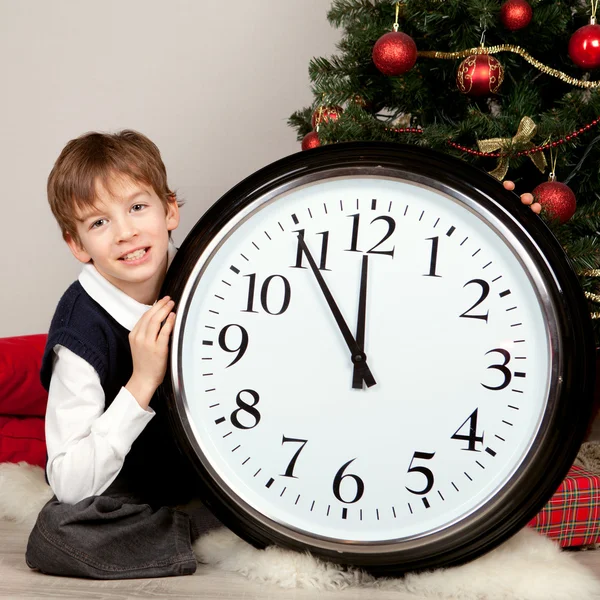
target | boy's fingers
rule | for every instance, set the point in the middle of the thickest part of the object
(150, 321)
(167, 329)
(527, 199)
(536, 208)
(508, 185)
(158, 317)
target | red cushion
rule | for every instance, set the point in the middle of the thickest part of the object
(22, 438)
(21, 392)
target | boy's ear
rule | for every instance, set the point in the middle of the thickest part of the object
(77, 249)
(172, 213)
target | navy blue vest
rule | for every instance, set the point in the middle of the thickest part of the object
(154, 468)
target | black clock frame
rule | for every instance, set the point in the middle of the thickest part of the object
(564, 424)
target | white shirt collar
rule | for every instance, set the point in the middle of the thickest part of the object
(123, 308)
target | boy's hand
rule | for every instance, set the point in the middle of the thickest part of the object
(149, 342)
(527, 199)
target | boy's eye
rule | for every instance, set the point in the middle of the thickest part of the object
(97, 224)
(137, 207)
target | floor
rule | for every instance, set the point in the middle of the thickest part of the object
(18, 581)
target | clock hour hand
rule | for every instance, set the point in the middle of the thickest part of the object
(357, 376)
(358, 356)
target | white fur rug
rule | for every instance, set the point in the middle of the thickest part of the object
(527, 567)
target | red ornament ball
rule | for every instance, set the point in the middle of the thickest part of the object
(311, 140)
(395, 53)
(516, 14)
(479, 75)
(584, 47)
(326, 113)
(557, 199)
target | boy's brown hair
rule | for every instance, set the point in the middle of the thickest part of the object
(96, 158)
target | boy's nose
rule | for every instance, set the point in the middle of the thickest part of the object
(126, 229)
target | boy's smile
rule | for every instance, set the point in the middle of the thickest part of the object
(126, 236)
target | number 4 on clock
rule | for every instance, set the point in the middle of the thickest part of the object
(472, 436)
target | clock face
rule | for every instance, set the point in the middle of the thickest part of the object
(365, 356)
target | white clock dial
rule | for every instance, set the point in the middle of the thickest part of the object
(456, 335)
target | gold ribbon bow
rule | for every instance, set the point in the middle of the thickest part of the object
(521, 141)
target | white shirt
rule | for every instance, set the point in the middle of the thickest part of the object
(86, 444)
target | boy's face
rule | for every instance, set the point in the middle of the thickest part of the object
(126, 236)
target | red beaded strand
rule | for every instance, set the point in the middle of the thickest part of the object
(405, 130)
(568, 138)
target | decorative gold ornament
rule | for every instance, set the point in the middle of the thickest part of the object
(522, 140)
(517, 50)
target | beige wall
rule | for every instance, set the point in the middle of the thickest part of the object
(211, 82)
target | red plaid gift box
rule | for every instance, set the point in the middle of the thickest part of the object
(572, 517)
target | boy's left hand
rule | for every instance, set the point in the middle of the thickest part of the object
(526, 199)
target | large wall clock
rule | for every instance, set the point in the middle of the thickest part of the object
(380, 356)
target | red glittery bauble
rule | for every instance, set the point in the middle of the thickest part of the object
(326, 113)
(479, 75)
(394, 53)
(584, 47)
(311, 140)
(516, 14)
(557, 199)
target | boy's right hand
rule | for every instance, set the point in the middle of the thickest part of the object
(526, 198)
(149, 342)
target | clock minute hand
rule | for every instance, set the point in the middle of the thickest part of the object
(358, 356)
(357, 376)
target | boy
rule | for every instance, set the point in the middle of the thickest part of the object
(112, 464)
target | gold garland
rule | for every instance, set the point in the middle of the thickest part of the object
(593, 297)
(517, 50)
(590, 295)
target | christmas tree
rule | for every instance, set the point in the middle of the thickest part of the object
(509, 87)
